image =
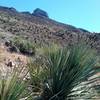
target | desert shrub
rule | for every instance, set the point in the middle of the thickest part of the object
(69, 70)
(38, 72)
(60, 74)
(24, 46)
(13, 86)
(45, 48)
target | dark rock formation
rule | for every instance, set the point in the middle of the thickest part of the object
(40, 13)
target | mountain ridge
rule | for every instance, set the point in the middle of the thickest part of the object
(13, 10)
(41, 29)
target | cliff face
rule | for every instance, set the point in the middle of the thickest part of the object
(40, 29)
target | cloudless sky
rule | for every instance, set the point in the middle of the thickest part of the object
(80, 13)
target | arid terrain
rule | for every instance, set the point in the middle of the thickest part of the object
(38, 28)
(26, 36)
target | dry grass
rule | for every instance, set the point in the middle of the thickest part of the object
(6, 56)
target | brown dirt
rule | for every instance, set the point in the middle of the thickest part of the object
(14, 58)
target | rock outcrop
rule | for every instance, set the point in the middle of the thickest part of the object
(40, 13)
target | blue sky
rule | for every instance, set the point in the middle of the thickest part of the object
(80, 13)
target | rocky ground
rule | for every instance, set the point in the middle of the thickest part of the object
(41, 29)
(10, 60)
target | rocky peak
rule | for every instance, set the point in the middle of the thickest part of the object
(40, 13)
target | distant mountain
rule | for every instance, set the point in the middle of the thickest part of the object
(40, 29)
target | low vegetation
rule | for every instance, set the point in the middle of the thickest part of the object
(57, 74)
(23, 45)
(12, 86)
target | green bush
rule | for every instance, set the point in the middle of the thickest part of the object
(24, 46)
(69, 70)
(13, 86)
(61, 75)
(38, 75)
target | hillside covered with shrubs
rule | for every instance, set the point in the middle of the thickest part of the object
(42, 59)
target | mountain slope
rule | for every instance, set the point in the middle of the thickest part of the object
(40, 29)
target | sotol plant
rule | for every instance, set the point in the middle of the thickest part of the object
(12, 86)
(69, 71)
